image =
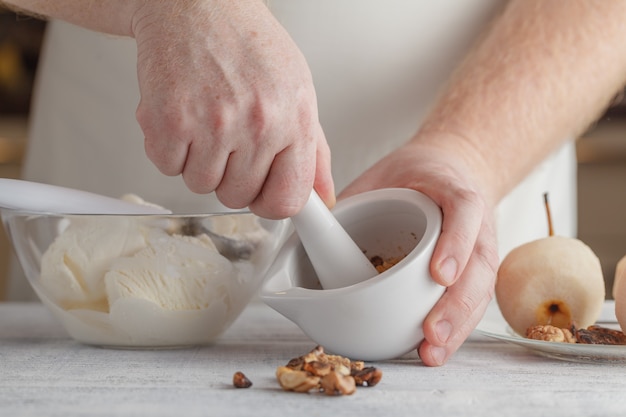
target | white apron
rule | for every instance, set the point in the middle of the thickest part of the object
(377, 67)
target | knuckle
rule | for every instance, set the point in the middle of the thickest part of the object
(465, 303)
(200, 183)
(471, 199)
(160, 158)
(273, 120)
(231, 200)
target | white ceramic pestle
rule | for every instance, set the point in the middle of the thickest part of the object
(336, 258)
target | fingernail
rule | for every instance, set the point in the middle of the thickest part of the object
(438, 354)
(448, 270)
(443, 329)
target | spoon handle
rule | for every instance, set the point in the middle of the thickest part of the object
(45, 198)
(336, 258)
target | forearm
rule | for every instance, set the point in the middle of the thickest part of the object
(107, 16)
(120, 17)
(544, 72)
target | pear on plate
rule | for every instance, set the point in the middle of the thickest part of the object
(553, 280)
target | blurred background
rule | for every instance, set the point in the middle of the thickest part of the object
(601, 150)
(20, 41)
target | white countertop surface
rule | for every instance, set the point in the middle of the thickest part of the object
(45, 373)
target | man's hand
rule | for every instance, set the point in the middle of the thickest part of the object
(465, 259)
(227, 100)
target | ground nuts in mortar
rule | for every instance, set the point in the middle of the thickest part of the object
(382, 265)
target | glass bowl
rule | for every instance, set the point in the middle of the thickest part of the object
(144, 281)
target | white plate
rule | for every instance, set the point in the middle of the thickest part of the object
(493, 325)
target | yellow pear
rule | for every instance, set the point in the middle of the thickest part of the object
(619, 292)
(620, 274)
(553, 280)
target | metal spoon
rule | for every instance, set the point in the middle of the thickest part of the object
(232, 249)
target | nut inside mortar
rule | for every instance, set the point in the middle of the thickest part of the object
(388, 234)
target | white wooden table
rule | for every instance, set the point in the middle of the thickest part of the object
(45, 373)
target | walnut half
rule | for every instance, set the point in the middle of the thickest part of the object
(335, 383)
(296, 380)
(550, 333)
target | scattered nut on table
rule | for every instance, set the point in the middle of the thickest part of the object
(335, 383)
(296, 380)
(329, 374)
(241, 381)
(367, 377)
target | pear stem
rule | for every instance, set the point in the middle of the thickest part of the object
(545, 199)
